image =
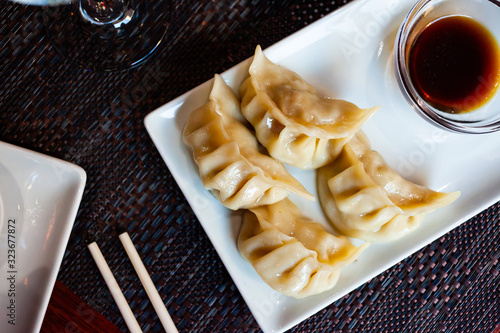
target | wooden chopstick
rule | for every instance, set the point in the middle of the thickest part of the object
(115, 290)
(148, 284)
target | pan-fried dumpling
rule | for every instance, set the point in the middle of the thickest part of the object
(292, 254)
(292, 120)
(364, 198)
(230, 164)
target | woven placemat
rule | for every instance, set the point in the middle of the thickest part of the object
(95, 120)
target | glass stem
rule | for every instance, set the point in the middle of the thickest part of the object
(103, 11)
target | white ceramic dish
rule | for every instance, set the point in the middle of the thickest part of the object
(41, 194)
(347, 54)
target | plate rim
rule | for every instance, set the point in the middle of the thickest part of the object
(174, 103)
(77, 193)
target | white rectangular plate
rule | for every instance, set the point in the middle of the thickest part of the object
(39, 199)
(348, 55)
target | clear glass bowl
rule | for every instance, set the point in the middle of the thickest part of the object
(485, 119)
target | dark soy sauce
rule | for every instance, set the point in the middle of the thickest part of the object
(454, 64)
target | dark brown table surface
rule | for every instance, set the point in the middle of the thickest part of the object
(51, 105)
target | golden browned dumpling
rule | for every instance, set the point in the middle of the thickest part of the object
(296, 124)
(364, 198)
(230, 164)
(292, 254)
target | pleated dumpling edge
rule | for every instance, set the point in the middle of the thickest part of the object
(229, 162)
(364, 198)
(292, 254)
(297, 125)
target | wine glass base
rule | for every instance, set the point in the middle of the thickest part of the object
(121, 44)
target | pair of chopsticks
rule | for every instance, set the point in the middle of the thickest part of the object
(146, 281)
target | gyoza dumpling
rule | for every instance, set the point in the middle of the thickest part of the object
(364, 198)
(227, 154)
(292, 254)
(292, 120)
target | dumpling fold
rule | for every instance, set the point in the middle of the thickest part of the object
(364, 198)
(227, 154)
(292, 254)
(296, 124)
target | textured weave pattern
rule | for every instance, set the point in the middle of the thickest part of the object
(95, 120)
